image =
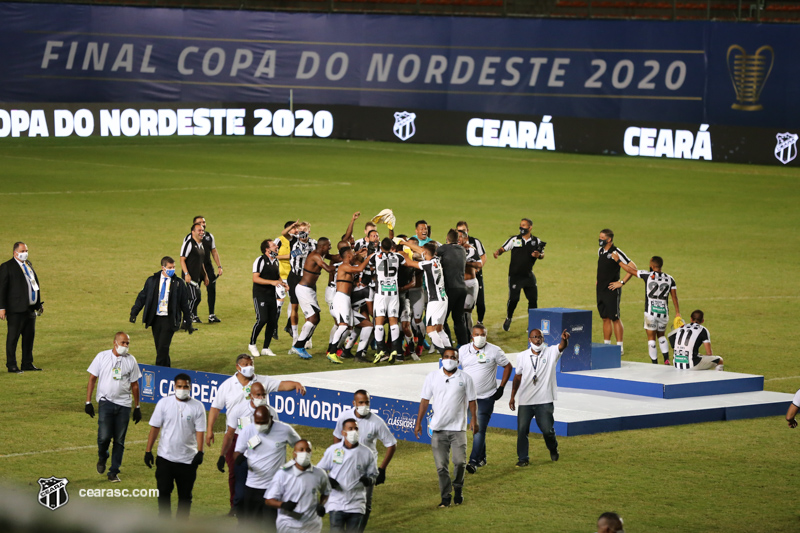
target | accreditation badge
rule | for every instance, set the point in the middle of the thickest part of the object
(116, 373)
(481, 357)
(338, 456)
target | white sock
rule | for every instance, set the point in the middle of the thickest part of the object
(380, 336)
(651, 350)
(621, 349)
(395, 332)
(664, 346)
(409, 340)
(607, 341)
(334, 328)
(280, 306)
(339, 334)
(306, 332)
(719, 367)
(436, 340)
(351, 339)
(294, 334)
(366, 333)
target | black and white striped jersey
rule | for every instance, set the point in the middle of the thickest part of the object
(386, 266)
(657, 287)
(607, 268)
(195, 256)
(360, 243)
(433, 280)
(299, 252)
(473, 256)
(478, 246)
(266, 268)
(686, 342)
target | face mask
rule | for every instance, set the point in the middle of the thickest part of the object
(602, 242)
(523, 231)
(352, 437)
(264, 428)
(449, 364)
(362, 410)
(122, 350)
(273, 255)
(302, 235)
(480, 341)
(247, 371)
(170, 272)
(535, 348)
(303, 458)
(182, 394)
(259, 402)
(23, 256)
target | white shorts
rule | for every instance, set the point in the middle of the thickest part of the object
(386, 305)
(405, 309)
(341, 310)
(280, 292)
(417, 300)
(707, 362)
(371, 296)
(655, 322)
(435, 313)
(329, 292)
(307, 299)
(472, 293)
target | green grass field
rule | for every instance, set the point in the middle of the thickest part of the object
(98, 214)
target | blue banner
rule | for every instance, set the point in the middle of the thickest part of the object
(318, 408)
(693, 72)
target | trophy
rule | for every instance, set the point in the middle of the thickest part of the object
(749, 73)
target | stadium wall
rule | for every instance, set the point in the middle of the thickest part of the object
(701, 90)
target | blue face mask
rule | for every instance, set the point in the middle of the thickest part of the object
(170, 272)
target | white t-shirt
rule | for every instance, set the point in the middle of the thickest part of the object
(543, 366)
(231, 392)
(482, 365)
(796, 399)
(114, 377)
(370, 429)
(179, 422)
(305, 487)
(347, 466)
(241, 415)
(268, 455)
(450, 397)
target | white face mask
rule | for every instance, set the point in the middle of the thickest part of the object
(247, 371)
(480, 341)
(352, 437)
(122, 350)
(259, 402)
(182, 394)
(449, 364)
(362, 410)
(535, 348)
(23, 256)
(264, 428)
(303, 458)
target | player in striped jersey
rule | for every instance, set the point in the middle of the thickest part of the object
(473, 266)
(657, 285)
(433, 287)
(386, 265)
(686, 341)
(342, 304)
(306, 291)
(300, 245)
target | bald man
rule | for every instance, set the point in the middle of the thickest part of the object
(609, 523)
(116, 374)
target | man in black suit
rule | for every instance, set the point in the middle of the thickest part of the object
(164, 299)
(20, 302)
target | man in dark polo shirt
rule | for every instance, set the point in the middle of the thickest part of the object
(193, 267)
(609, 286)
(525, 250)
(454, 262)
(210, 248)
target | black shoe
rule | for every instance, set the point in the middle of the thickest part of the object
(347, 354)
(196, 320)
(31, 368)
(445, 503)
(275, 335)
(113, 478)
(232, 512)
(288, 329)
(101, 467)
(360, 357)
(521, 464)
(554, 456)
(212, 319)
(458, 499)
(481, 463)
(14, 370)
(507, 324)
(472, 468)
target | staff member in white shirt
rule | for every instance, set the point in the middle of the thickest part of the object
(536, 382)
(231, 392)
(371, 429)
(299, 491)
(180, 449)
(351, 470)
(116, 374)
(240, 417)
(480, 360)
(452, 391)
(262, 451)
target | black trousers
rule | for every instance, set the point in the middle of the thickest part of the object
(171, 475)
(517, 285)
(194, 297)
(162, 335)
(257, 512)
(266, 315)
(480, 303)
(455, 308)
(211, 290)
(20, 325)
